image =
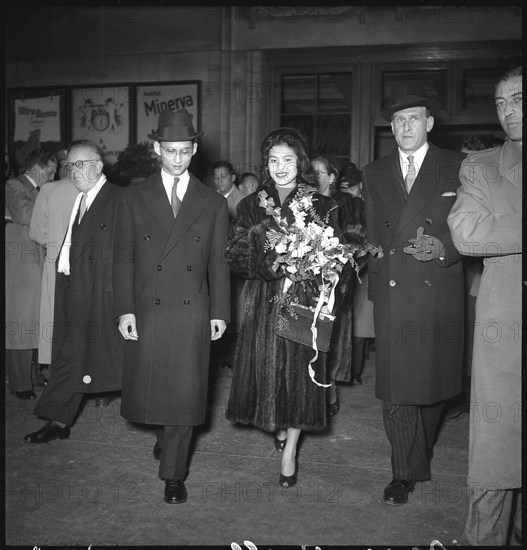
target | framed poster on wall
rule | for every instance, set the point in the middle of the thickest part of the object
(102, 114)
(36, 118)
(152, 98)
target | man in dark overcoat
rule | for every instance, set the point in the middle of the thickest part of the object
(87, 351)
(416, 288)
(172, 296)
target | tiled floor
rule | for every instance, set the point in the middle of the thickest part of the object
(100, 486)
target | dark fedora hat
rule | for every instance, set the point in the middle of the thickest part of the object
(410, 101)
(175, 126)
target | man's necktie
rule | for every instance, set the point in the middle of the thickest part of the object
(82, 207)
(411, 174)
(175, 202)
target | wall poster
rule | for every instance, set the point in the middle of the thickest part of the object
(152, 98)
(36, 119)
(102, 114)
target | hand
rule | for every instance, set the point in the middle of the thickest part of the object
(217, 328)
(127, 326)
(425, 248)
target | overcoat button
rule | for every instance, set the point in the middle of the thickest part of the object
(159, 267)
(392, 283)
(386, 224)
(197, 238)
(189, 268)
(428, 283)
(86, 379)
(392, 251)
(429, 221)
(186, 301)
(90, 258)
(147, 237)
(158, 301)
(103, 226)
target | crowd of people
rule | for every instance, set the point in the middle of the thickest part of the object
(124, 289)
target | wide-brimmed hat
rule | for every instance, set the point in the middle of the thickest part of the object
(175, 126)
(411, 101)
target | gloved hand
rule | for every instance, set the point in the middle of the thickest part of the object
(425, 248)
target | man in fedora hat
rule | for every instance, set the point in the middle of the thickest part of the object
(416, 288)
(172, 296)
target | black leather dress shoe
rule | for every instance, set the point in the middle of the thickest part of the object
(157, 451)
(48, 432)
(397, 492)
(175, 491)
(28, 394)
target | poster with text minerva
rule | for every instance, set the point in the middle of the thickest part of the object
(101, 114)
(38, 113)
(154, 98)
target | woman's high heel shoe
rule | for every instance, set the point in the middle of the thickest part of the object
(333, 408)
(279, 444)
(289, 481)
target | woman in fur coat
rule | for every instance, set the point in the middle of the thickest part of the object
(271, 387)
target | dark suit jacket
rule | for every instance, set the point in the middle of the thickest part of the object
(84, 326)
(173, 276)
(418, 306)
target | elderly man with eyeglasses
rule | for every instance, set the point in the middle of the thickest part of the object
(87, 353)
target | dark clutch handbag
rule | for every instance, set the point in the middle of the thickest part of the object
(299, 329)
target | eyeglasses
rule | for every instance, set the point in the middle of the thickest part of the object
(78, 164)
(171, 152)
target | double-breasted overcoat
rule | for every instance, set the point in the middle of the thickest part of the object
(173, 276)
(486, 220)
(418, 306)
(84, 329)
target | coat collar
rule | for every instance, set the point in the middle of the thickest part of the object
(511, 162)
(426, 188)
(194, 203)
(90, 222)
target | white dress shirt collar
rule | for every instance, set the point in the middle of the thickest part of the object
(419, 157)
(168, 182)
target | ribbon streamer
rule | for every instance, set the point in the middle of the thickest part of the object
(314, 331)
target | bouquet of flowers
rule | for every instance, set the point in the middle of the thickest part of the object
(308, 251)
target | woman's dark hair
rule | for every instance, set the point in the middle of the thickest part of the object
(291, 138)
(331, 169)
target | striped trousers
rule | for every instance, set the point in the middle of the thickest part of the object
(411, 431)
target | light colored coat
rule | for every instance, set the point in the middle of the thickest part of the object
(48, 227)
(486, 221)
(23, 267)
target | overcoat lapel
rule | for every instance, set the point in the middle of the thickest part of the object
(511, 163)
(389, 185)
(194, 202)
(90, 222)
(426, 188)
(156, 200)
